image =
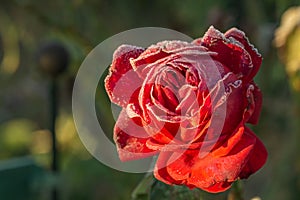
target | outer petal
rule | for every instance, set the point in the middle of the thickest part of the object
(231, 52)
(215, 174)
(160, 170)
(255, 56)
(131, 139)
(212, 173)
(257, 158)
(122, 81)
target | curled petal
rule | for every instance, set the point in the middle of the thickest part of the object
(255, 101)
(122, 81)
(255, 56)
(164, 52)
(234, 51)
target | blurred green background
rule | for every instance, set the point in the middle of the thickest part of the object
(25, 139)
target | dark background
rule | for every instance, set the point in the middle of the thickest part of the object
(25, 140)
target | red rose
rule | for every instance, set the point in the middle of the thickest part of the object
(174, 95)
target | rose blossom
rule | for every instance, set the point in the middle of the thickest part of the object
(170, 95)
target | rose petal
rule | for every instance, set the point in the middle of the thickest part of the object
(160, 170)
(212, 170)
(257, 158)
(161, 131)
(255, 56)
(236, 103)
(164, 52)
(230, 52)
(165, 96)
(197, 41)
(211, 173)
(175, 167)
(131, 139)
(227, 144)
(158, 51)
(255, 102)
(122, 81)
(153, 54)
(219, 187)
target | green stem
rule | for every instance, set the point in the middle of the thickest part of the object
(236, 192)
(53, 114)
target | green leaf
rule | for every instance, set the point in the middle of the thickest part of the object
(161, 191)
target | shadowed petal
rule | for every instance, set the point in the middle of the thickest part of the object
(131, 139)
(257, 158)
(255, 56)
(255, 102)
(160, 170)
